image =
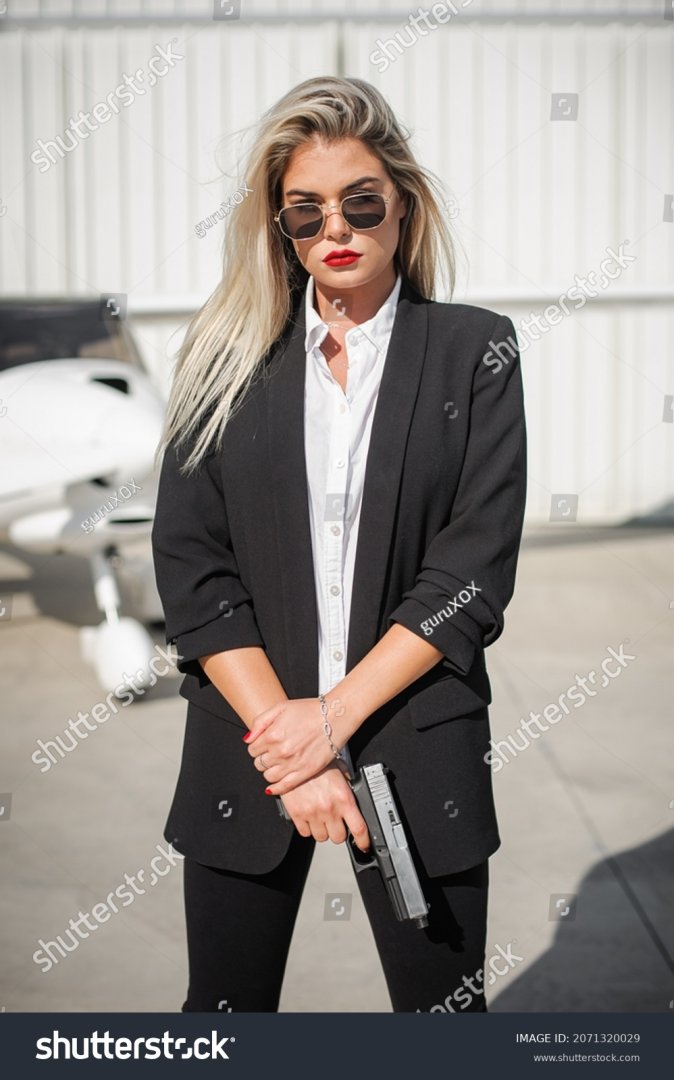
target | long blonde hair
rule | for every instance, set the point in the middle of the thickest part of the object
(228, 338)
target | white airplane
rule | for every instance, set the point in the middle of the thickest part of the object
(79, 424)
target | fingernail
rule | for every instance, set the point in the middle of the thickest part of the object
(267, 791)
(246, 736)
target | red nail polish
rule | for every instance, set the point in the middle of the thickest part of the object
(267, 791)
(246, 736)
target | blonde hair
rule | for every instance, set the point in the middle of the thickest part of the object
(228, 339)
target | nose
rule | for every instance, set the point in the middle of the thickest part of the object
(335, 229)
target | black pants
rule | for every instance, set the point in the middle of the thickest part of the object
(239, 928)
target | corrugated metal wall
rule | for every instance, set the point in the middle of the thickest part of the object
(538, 201)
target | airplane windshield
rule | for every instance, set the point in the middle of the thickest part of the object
(32, 331)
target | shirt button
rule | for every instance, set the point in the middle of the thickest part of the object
(335, 530)
(340, 463)
(335, 590)
(337, 655)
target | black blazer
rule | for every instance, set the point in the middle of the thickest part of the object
(442, 510)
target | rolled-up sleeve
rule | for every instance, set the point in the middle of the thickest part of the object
(206, 607)
(467, 575)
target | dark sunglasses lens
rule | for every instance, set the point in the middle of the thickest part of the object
(364, 211)
(301, 222)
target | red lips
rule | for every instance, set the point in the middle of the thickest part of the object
(341, 256)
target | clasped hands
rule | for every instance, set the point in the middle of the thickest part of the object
(289, 745)
(290, 748)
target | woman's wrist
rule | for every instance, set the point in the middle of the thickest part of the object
(343, 713)
(397, 660)
(327, 726)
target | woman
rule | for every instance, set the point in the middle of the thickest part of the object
(339, 514)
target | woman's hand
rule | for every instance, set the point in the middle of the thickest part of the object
(288, 743)
(325, 806)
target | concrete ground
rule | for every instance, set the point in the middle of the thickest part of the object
(581, 886)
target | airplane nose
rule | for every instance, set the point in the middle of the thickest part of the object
(128, 435)
(79, 420)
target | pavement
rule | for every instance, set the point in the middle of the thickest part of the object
(581, 887)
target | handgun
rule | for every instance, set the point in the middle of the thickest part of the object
(389, 850)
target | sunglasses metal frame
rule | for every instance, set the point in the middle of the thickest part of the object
(325, 210)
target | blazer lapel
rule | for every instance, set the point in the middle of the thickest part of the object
(392, 417)
(393, 414)
(290, 496)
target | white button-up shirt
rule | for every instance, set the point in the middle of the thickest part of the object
(337, 428)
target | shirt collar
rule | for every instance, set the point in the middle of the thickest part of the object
(377, 329)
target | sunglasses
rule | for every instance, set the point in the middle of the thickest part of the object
(303, 221)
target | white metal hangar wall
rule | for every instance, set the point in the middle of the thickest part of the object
(550, 125)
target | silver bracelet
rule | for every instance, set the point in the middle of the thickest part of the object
(326, 725)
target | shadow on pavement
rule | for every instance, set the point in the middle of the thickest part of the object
(608, 956)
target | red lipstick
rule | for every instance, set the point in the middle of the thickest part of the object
(341, 257)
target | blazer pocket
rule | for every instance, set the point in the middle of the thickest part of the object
(449, 697)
